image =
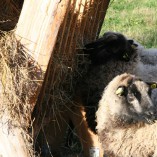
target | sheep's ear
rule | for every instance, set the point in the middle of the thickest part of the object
(152, 85)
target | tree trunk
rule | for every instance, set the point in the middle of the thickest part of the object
(37, 30)
(56, 106)
(38, 27)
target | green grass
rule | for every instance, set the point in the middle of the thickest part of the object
(136, 19)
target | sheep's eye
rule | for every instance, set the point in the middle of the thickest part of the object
(126, 56)
(121, 91)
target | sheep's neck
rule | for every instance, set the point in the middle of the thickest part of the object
(113, 127)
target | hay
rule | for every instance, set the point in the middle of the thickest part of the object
(18, 84)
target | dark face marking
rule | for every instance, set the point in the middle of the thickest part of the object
(133, 89)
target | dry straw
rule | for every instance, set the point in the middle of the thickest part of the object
(18, 84)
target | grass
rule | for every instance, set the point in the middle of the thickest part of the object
(136, 19)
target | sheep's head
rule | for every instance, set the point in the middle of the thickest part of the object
(125, 101)
(111, 45)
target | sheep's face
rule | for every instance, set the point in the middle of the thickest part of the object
(119, 46)
(111, 45)
(127, 100)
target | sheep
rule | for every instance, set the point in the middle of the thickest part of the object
(111, 55)
(130, 57)
(126, 117)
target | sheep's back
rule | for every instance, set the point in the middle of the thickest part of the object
(130, 142)
(147, 72)
(148, 56)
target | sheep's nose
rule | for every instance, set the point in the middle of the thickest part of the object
(150, 113)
